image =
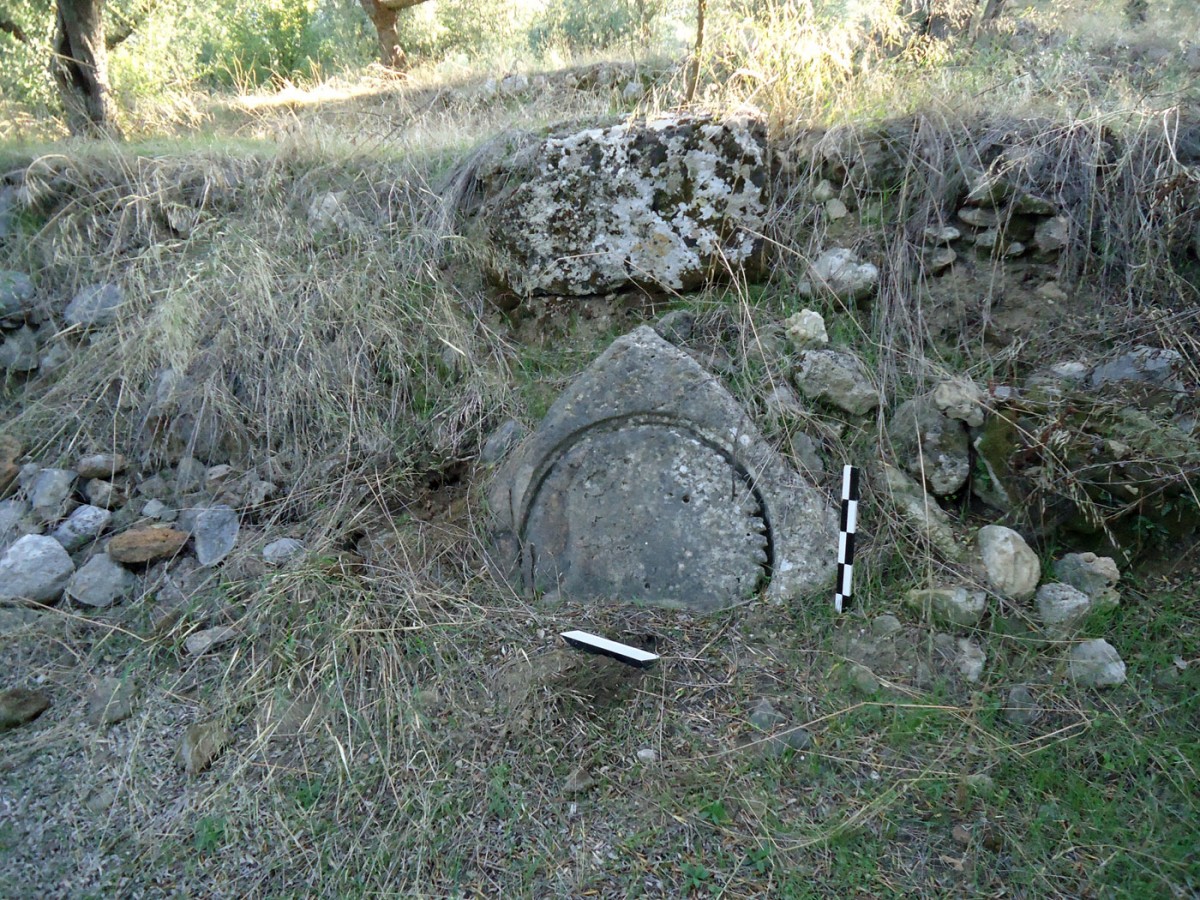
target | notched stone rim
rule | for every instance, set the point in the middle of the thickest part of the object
(525, 561)
(802, 522)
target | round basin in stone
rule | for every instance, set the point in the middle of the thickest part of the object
(650, 512)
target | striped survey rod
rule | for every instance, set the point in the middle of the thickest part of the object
(845, 569)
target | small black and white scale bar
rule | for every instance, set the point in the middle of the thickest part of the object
(845, 569)
(631, 656)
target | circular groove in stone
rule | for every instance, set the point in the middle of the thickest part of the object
(646, 512)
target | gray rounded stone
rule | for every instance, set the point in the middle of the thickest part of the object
(955, 606)
(1096, 576)
(35, 568)
(112, 700)
(1012, 568)
(16, 290)
(19, 351)
(215, 533)
(837, 378)
(840, 272)
(1062, 609)
(84, 525)
(50, 493)
(101, 582)
(1096, 664)
(282, 551)
(94, 306)
(1021, 706)
(765, 716)
(929, 444)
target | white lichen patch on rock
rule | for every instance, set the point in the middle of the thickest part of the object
(667, 203)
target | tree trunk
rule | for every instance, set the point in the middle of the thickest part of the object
(991, 12)
(10, 27)
(383, 15)
(693, 79)
(80, 67)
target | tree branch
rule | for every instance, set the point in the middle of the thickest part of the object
(123, 28)
(10, 27)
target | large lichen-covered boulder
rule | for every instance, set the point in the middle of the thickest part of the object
(665, 203)
(647, 482)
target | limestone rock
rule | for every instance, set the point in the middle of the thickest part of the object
(209, 639)
(667, 202)
(921, 510)
(862, 679)
(1011, 567)
(95, 306)
(765, 716)
(676, 326)
(16, 292)
(824, 191)
(189, 475)
(960, 399)
(20, 705)
(970, 660)
(112, 700)
(941, 259)
(646, 481)
(1155, 366)
(806, 329)
(941, 234)
(931, 446)
(330, 212)
(840, 272)
(156, 509)
(885, 626)
(1096, 576)
(103, 493)
(215, 531)
(15, 522)
(282, 551)
(100, 583)
(19, 351)
(835, 209)
(102, 465)
(202, 743)
(1052, 235)
(140, 545)
(838, 378)
(979, 218)
(1062, 609)
(956, 606)
(50, 494)
(1021, 707)
(35, 568)
(1095, 664)
(1031, 205)
(501, 441)
(82, 527)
